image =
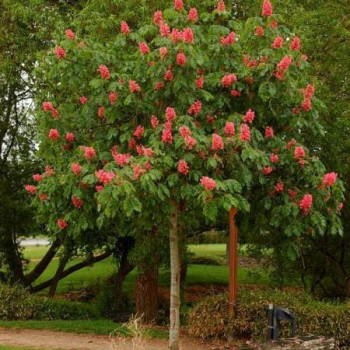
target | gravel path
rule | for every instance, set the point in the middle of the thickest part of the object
(43, 339)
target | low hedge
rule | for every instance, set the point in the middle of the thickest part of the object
(209, 318)
(17, 304)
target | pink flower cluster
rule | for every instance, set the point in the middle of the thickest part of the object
(267, 170)
(249, 116)
(278, 42)
(163, 52)
(144, 49)
(267, 9)
(101, 112)
(104, 72)
(299, 152)
(124, 28)
(229, 129)
(76, 168)
(139, 131)
(192, 15)
(329, 179)
(77, 202)
(279, 187)
(259, 31)
(208, 183)
(112, 96)
(229, 39)
(61, 224)
(138, 171)
(195, 108)
(282, 67)
(83, 100)
(187, 35)
(170, 114)
(120, 158)
(133, 86)
(306, 203)
(167, 136)
(70, 34)
(269, 134)
(274, 158)
(181, 59)
(186, 133)
(89, 152)
(200, 82)
(228, 80)
(295, 44)
(217, 142)
(157, 18)
(30, 189)
(60, 52)
(104, 177)
(308, 93)
(54, 134)
(49, 171)
(183, 167)
(245, 133)
(70, 137)
(235, 93)
(48, 107)
(164, 29)
(154, 121)
(221, 6)
(179, 5)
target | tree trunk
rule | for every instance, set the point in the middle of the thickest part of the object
(175, 266)
(183, 275)
(13, 258)
(71, 270)
(124, 269)
(39, 268)
(146, 296)
(58, 275)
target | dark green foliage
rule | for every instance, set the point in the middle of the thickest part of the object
(17, 304)
(209, 319)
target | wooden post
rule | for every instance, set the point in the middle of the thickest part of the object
(233, 254)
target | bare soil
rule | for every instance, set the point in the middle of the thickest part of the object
(43, 339)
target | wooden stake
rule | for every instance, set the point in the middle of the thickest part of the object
(233, 254)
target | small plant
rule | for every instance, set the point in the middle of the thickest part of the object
(135, 329)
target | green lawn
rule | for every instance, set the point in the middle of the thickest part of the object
(34, 252)
(215, 252)
(197, 274)
(102, 327)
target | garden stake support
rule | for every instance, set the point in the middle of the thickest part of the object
(232, 259)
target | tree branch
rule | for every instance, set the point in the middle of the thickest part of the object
(71, 269)
(44, 262)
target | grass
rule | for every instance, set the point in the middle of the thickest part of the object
(208, 274)
(197, 274)
(100, 327)
(34, 252)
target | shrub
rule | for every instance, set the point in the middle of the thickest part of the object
(209, 318)
(17, 304)
(106, 306)
(60, 309)
(202, 260)
(209, 237)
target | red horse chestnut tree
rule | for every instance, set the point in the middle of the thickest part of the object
(181, 119)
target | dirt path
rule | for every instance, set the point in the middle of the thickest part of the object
(43, 339)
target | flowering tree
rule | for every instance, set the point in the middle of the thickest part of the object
(181, 119)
